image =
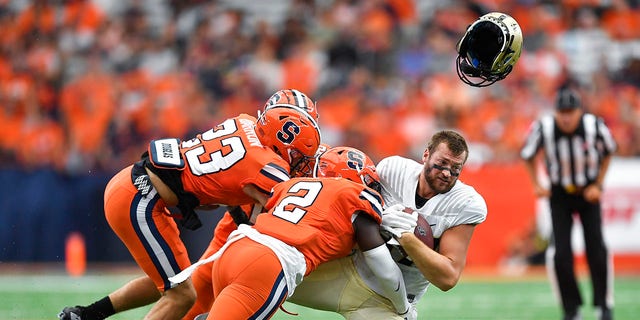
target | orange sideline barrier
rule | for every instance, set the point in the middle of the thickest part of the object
(511, 203)
(511, 210)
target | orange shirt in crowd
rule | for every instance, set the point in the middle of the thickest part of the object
(83, 15)
(339, 109)
(623, 24)
(384, 136)
(405, 10)
(239, 101)
(39, 16)
(299, 70)
(10, 129)
(376, 27)
(88, 104)
(169, 114)
(42, 143)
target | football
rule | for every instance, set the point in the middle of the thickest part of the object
(422, 231)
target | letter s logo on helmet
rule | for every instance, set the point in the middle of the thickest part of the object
(292, 134)
(288, 132)
(489, 49)
(356, 159)
(349, 163)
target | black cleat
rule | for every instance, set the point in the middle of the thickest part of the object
(71, 313)
(572, 315)
(604, 314)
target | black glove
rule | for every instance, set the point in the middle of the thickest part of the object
(238, 215)
(191, 221)
(187, 204)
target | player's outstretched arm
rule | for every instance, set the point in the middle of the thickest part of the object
(442, 268)
(380, 262)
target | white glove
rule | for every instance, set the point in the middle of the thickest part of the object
(411, 314)
(397, 222)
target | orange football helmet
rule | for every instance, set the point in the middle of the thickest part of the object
(292, 98)
(321, 149)
(292, 135)
(349, 163)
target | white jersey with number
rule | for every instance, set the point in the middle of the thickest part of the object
(461, 205)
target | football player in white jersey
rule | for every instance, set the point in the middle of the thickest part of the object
(431, 188)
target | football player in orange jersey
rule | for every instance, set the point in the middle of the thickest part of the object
(201, 277)
(234, 163)
(309, 221)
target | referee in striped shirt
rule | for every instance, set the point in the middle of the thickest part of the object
(577, 148)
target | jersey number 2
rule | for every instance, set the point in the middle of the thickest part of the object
(305, 194)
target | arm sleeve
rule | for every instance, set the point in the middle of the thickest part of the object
(390, 277)
(610, 145)
(269, 175)
(533, 141)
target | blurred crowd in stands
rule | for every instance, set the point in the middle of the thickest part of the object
(84, 85)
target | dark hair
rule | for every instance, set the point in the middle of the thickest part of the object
(456, 143)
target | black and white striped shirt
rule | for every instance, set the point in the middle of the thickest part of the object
(571, 159)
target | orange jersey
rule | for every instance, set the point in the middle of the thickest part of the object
(221, 161)
(315, 215)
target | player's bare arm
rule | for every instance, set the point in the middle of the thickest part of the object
(371, 243)
(442, 268)
(367, 233)
(169, 197)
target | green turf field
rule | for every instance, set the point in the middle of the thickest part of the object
(42, 295)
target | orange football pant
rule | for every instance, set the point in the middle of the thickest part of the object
(152, 237)
(248, 282)
(201, 277)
